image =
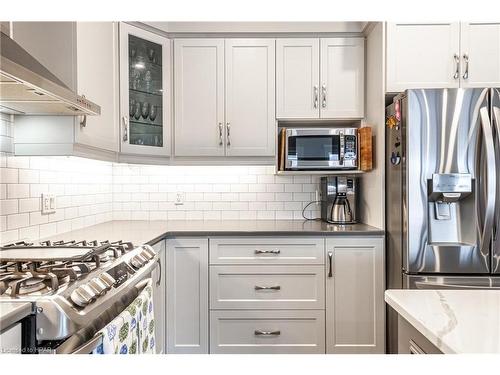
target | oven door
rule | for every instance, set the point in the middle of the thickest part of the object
(318, 149)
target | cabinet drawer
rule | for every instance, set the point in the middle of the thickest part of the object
(267, 287)
(273, 332)
(262, 250)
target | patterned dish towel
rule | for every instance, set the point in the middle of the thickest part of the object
(133, 331)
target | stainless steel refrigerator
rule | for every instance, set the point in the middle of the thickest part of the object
(442, 190)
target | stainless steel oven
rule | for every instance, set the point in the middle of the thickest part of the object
(321, 148)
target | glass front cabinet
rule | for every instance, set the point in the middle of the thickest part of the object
(144, 92)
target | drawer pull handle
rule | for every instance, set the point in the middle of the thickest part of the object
(267, 252)
(259, 332)
(274, 287)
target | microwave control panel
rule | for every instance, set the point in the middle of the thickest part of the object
(350, 147)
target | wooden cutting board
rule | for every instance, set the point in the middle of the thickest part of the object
(365, 148)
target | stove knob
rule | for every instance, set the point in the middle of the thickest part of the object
(136, 262)
(98, 286)
(147, 254)
(78, 298)
(144, 259)
(82, 296)
(107, 279)
(149, 250)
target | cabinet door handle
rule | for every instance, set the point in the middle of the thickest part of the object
(330, 261)
(273, 287)
(259, 332)
(220, 134)
(457, 66)
(323, 96)
(160, 274)
(316, 96)
(228, 133)
(267, 251)
(125, 128)
(466, 71)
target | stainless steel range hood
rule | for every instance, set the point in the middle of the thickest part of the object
(28, 88)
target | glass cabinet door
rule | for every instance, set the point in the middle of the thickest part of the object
(144, 90)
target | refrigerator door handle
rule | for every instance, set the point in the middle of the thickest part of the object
(496, 123)
(491, 181)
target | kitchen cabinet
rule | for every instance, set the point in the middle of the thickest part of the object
(424, 55)
(480, 53)
(267, 332)
(250, 97)
(159, 298)
(411, 341)
(320, 78)
(355, 309)
(267, 295)
(199, 97)
(84, 56)
(224, 97)
(144, 92)
(442, 55)
(187, 295)
(297, 78)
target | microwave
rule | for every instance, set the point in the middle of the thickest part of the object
(321, 148)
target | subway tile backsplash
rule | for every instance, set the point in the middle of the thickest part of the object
(83, 190)
(210, 193)
(89, 192)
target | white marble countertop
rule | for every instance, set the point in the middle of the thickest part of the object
(142, 231)
(455, 321)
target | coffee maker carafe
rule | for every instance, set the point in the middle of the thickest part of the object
(339, 199)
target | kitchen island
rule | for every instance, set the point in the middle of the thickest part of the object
(452, 321)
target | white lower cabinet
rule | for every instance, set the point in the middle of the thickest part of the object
(355, 309)
(267, 332)
(187, 295)
(267, 287)
(159, 298)
(275, 294)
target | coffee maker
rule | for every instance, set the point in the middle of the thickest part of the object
(339, 199)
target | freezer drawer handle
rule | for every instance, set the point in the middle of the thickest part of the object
(274, 252)
(274, 287)
(259, 332)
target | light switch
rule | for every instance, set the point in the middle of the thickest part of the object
(48, 204)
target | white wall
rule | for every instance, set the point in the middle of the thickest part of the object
(373, 183)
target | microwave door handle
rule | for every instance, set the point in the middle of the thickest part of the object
(491, 181)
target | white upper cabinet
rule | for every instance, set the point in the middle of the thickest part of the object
(342, 77)
(423, 56)
(297, 78)
(480, 54)
(224, 97)
(144, 92)
(250, 97)
(199, 97)
(98, 79)
(320, 78)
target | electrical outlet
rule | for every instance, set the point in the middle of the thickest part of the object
(179, 198)
(48, 204)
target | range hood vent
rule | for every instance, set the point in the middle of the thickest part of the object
(28, 88)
